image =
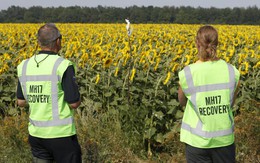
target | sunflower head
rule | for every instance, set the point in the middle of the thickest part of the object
(97, 79)
(132, 74)
(167, 78)
(107, 62)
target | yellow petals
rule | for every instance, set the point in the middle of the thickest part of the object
(155, 47)
(97, 79)
(132, 74)
(158, 60)
(243, 69)
(257, 65)
(116, 71)
(4, 68)
(174, 67)
(107, 63)
(167, 78)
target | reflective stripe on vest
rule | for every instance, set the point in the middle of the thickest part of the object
(56, 121)
(193, 90)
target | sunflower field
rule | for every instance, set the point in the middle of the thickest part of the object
(128, 84)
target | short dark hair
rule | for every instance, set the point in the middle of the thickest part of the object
(47, 34)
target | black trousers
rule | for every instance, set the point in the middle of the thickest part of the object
(211, 155)
(60, 150)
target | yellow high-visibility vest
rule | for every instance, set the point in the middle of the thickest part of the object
(50, 116)
(209, 87)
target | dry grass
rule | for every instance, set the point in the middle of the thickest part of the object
(103, 140)
(247, 134)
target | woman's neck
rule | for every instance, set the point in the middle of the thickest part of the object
(205, 60)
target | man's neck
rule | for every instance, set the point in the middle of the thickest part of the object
(49, 49)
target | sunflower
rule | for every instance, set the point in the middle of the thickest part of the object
(175, 58)
(251, 53)
(132, 74)
(241, 58)
(158, 60)
(236, 41)
(107, 63)
(167, 78)
(4, 68)
(187, 60)
(251, 42)
(125, 58)
(6, 56)
(243, 69)
(98, 54)
(97, 79)
(116, 71)
(257, 65)
(145, 66)
(174, 67)
(180, 51)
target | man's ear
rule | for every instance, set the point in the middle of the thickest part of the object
(57, 46)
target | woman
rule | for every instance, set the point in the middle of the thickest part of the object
(208, 90)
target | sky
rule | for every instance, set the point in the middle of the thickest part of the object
(4, 4)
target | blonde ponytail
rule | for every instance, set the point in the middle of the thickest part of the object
(207, 41)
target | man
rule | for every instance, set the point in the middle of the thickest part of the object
(47, 84)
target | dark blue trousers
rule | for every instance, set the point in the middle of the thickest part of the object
(211, 155)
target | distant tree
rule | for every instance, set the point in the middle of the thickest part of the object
(71, 14)
(14, 14)
(149, 14)
(33, 14)
(185, 16)
(166, 15)
(3, 14)
(134, 14)
(251, 15)
(235, 16)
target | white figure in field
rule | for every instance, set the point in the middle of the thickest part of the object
(129, 30)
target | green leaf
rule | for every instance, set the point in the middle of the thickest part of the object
(173, 90)
(173, 102)
(114, 103)
(108, 94)
(123, 107)
(176, 128)
(158, 115)
(6, 98)
(149, 133)
(98, 105)
(179, 114)
(12, 111)
(159, 138)
(171, 110)
(146, 102)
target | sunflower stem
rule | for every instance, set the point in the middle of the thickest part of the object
(129, 69)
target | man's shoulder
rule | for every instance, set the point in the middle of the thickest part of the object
(22, 62)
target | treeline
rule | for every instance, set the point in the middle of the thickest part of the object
(150, 14)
